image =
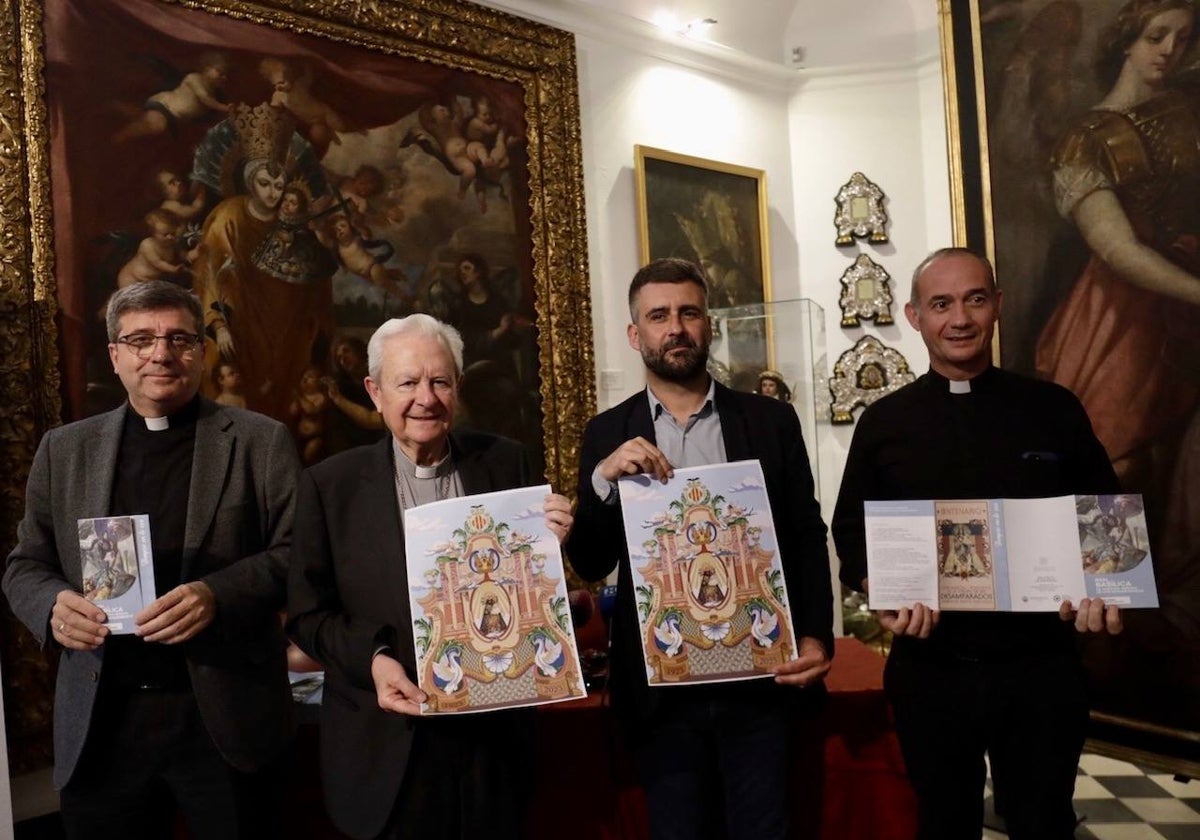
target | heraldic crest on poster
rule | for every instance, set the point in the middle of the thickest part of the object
(491, 623)
(710, 591)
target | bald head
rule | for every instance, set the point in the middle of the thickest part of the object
(955, 305)
(942, 253)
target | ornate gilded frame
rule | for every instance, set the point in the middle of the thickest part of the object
(673, 221)
(1001, 209)
(455, 34)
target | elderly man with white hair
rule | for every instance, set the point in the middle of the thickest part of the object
(388, 772)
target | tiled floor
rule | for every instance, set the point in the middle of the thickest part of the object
(1120, 801)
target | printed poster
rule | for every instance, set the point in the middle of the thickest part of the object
(710, 591)
(118, 567)
(491, 624)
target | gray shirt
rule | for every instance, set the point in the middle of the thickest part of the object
(696, 443)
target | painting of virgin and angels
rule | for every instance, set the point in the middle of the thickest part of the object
(306, 190)
(711, 597)
(1087, 181)
(492, 627)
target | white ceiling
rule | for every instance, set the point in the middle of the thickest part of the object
(754, 27)
(826, 32)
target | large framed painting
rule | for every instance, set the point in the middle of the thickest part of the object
(714, 214)
(709, 212)
(309, 169)
(1073, 133)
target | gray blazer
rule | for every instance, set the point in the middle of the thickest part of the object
(237, 540)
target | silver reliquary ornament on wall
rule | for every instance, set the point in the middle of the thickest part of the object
(863, 374)
(860, 212)
(866, 293)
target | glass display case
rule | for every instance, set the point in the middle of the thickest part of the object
(778, 349)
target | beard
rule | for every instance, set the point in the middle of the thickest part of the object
(681, 367)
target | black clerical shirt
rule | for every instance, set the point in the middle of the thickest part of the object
(1009, 436)
(153, 475)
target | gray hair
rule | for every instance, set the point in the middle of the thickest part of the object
(915, 298)
(414, 325)
(150, 296)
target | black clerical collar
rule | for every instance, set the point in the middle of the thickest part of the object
(185, 416)
(962, 386)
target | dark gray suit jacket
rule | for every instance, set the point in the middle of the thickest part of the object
(348, 595)
(237, 539)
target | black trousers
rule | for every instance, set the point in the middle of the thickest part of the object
(706, 753)
(1028, 714)
(468, 776)
(148, 755)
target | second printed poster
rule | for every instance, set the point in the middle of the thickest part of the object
(711, 596)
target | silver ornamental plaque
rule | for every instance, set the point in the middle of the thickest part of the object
(863, 374)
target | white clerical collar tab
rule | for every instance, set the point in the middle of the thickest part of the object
(425, 472)
(157, 424)
(960, 386)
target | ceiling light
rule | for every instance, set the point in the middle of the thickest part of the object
(669, 21)
(694, 28)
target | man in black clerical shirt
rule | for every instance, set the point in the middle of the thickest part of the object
(960, 683)
(194, 706)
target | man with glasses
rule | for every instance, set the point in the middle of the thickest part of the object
(194, 706)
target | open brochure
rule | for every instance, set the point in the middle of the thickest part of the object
(491, 624)
(711, 597)
(118, 567)
(1009, 555)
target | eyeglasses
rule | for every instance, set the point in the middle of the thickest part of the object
(143, 344)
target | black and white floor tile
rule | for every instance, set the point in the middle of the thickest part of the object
(1117, 800)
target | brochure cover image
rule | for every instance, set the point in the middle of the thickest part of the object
(118, 567)
(1114, 548)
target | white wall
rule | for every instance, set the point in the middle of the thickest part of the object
(889, 125)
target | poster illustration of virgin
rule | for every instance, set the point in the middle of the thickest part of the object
(966, 574)
(711, 596)
(491, 625)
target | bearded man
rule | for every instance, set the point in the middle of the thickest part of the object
(699, 746)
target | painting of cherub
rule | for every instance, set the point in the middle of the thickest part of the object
(197, 95)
